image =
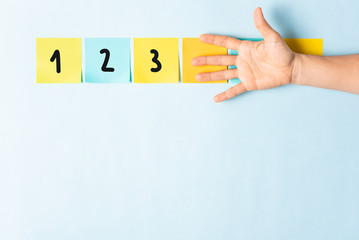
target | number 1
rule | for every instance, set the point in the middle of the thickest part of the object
(56, 56)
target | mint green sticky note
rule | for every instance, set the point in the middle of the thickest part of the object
(235, 52)
(107, 60)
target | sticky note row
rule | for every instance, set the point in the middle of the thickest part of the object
(155, 60)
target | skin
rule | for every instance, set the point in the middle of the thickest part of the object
(270, 63)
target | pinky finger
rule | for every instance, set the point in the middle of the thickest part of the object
(230, 93)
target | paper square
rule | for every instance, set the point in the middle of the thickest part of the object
(58, 60)
(107, 60)
(313, 46)
(156, 60)
(193, 47)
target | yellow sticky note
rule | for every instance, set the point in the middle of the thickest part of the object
(156, 60)
(313, 46)
(193, 47)
(58, 60)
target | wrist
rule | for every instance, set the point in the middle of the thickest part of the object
(295, 77)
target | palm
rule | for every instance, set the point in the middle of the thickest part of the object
(260, 65)
(264, 65)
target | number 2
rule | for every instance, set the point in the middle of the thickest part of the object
(155, 60)
(56, 56)
(104, 67)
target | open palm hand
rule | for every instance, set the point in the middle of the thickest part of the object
(260, 65)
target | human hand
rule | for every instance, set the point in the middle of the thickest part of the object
(260, 65)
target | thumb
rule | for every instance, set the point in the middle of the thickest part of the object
(263, 27)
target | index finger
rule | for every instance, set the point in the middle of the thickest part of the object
(223, 41)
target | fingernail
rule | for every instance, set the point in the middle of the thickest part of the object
(194, 62)
(198, 77)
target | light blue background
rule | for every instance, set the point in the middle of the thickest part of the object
(163, 161)
(119, 60)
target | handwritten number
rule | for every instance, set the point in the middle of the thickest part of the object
(104, 67)
(155, 60)
(56, 56)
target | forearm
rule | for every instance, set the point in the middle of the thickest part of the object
(331, 72)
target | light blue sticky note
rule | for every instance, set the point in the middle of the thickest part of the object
(235, 52)
(107, 60)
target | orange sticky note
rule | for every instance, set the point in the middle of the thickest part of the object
(193, 47)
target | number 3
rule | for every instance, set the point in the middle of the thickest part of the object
(155, 60)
